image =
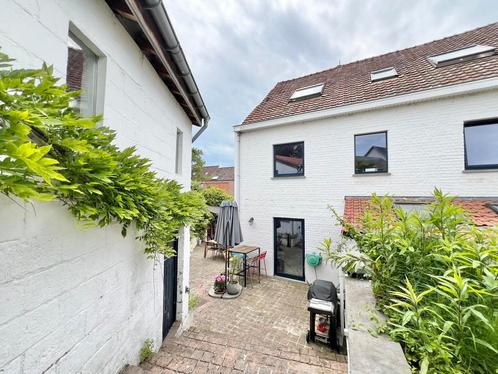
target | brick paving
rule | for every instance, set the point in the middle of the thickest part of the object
(262, 331)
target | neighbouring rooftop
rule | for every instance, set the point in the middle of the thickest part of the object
(461, 58)
(480, 209)
(218, 173)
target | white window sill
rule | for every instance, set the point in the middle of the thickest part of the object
(371, 175)
(290, 177)
(472, 171)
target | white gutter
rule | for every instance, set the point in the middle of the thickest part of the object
(431, 94)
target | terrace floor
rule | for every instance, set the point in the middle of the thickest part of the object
(262, 331)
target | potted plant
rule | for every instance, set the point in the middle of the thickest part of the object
(219, 283)
(233, 286)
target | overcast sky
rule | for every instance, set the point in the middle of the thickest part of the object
(239, 49)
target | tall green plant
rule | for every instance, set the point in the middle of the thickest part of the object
(435, 275)
(47, 151)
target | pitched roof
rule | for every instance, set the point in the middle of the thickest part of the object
(350, 83)
(218, 173)
(477, 208)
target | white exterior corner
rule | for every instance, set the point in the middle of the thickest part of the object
(75, 299)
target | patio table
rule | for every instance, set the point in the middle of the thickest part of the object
(245, 250)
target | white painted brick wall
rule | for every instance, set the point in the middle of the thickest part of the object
(425, 147)
(74, 299)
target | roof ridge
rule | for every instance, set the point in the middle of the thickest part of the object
(388, 53)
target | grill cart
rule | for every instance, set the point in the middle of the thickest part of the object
(322, 296)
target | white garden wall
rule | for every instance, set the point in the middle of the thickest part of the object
(76, 299)
(425, 149)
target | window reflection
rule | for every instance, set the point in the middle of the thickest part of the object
(371, 153)
(289, 247)
(81, 74)
(481, 146)
(288, 159)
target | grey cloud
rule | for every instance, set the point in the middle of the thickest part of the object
(238, 50)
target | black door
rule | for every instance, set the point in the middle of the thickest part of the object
(170, 285)
(289, 247)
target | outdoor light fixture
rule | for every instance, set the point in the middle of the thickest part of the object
(251, 220)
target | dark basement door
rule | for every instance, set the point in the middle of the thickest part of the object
(170, 289)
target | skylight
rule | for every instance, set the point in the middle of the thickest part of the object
(307, 92)
(378, 75)
(409, 208)
(494, 207)
(460, 55)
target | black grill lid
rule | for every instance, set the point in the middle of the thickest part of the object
(323, 290)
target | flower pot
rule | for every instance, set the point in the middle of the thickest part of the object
(233, 288)
(219, 287)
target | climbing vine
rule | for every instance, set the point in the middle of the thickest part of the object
(48, 151)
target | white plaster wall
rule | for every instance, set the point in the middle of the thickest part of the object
(425, 147)
(85, 300)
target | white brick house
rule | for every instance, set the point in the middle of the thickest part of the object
(427, 122)
(85, 300)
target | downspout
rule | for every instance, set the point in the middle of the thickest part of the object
(200, 131)
(237, 168)
(173, 48)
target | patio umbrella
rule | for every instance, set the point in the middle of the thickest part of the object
(228, 233)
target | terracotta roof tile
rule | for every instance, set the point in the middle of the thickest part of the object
(218, 173)
(477, 208)
(350, 83)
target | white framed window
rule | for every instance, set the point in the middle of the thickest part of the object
(382, 74)
(460, 55)
(307, 92)
(85, 72)
(179, 151)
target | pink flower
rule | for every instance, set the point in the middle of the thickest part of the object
(220, 278)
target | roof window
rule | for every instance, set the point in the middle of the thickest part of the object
(493, 207)
(382, 74)
(460, 55)
(307, 92)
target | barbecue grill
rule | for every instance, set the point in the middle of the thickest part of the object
(322, 297)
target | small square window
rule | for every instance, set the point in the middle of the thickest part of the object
(288, 159)
(481, 145)
(371, 153)
(82, 75)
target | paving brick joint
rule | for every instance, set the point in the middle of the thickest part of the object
(262, 331)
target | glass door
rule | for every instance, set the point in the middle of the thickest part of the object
(289, 247)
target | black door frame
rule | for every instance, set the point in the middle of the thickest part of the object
(290, 276)
(170, 273)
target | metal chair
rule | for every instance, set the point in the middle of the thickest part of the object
(254, 264)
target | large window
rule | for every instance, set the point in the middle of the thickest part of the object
(370, 153)
(82, 74)
(288, 159)
(481, 144)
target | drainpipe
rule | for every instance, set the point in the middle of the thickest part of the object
(237, 168)
(200, 131)
(173, 48)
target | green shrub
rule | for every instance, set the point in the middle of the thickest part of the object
(47, 151)
(435, 276)
(147, 350)
(214, 196)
